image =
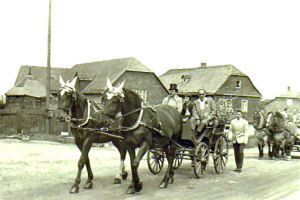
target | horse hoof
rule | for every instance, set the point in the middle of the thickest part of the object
(288, 158)
(88, 185)
(124, 175)
(138, 186)
(130, 190)
(171, 180)
(117, 181)
(74, 189)
(163, 185)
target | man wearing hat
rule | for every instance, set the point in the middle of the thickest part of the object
(204, 110)
(172, 99)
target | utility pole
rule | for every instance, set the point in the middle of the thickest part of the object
(48, 76)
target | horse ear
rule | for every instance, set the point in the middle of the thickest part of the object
(73, 82)
(120, 87)
(109, 85)
(61, 81)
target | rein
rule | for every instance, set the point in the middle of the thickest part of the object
(69, 120)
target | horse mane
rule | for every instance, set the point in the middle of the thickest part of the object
(132, 97)
(80, 98)
(279, 114)
(132, 101)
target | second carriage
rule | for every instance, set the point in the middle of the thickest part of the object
(212, 142)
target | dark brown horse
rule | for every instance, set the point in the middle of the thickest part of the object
(84, 115)
(262, 135)
(143, 127)
(283, 134)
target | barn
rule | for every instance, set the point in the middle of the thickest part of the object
(25, 102)
(221, 82)
(93, 77)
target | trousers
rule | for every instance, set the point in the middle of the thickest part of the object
(239, 154)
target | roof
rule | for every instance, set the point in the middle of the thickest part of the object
(290, 94)
(98, 72)
(29, 86)
(208, 79)
(39, 73)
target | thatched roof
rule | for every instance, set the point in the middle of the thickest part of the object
(39, 73)
(29, 86)
(211, 78)
(98, 72)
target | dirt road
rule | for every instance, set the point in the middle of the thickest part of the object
(45, 170)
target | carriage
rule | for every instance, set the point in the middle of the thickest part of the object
(212, 142)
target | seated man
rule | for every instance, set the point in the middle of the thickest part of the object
(172, 99)
(204, 110)
(187, 108)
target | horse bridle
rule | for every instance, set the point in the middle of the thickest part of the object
(119, 115)
(68, 119)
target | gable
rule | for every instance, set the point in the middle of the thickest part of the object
(246, 88)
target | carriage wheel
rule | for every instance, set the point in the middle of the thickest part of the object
(155, 160)
(220, 155)
(201, 157)
(178, 159)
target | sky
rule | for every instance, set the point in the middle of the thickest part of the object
(259, 37)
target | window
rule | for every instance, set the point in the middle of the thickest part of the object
(143, 94)
(244, 105)
(238, 84)
(289, 102)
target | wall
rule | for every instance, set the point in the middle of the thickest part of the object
(145, 81)
(279, 103)
(28, 114)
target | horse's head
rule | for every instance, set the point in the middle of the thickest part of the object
(258, 120)
(112, 100)
(275, 122)
(66, 94)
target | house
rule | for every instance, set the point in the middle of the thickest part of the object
(290, 99)
(25, 102)
(221, 82)
(93, 78)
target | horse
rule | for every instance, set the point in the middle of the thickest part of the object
(143, 127)
(283, 134)
(261, 134)
(84, 116)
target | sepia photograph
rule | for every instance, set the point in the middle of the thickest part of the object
(142, 100)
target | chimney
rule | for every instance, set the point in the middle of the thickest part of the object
(289, 88)
(203, 64)
(29, 71)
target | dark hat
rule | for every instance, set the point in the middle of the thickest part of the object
(173, 86)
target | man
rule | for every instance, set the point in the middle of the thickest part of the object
(187, 108)
(204, 111)
(238, 127)
(173, 100)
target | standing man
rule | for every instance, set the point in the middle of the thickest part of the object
(238, 127)
(204, 110)
(172, 99)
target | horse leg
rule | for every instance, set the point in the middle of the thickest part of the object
(261, 151)
(122, 172)
(131, 188)
(136, 184)
(89, 181)
(271, 150)
(169, 175)
(82, 160)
